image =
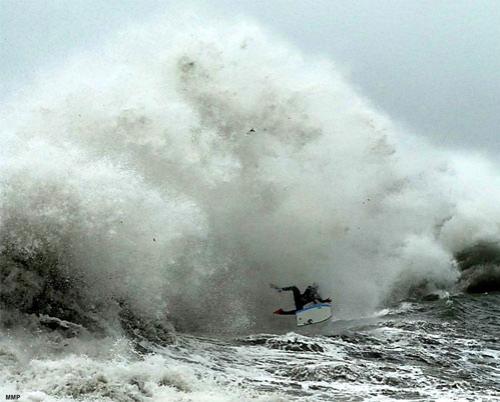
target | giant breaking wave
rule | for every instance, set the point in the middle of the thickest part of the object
(187, 164)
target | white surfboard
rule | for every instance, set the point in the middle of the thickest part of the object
(314, 314)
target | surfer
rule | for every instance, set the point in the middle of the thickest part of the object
(310, 295)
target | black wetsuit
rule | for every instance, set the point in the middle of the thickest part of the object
(310, 295)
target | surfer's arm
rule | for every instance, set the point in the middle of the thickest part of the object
(317, 298)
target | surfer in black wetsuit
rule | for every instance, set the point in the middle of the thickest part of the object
(310, 295)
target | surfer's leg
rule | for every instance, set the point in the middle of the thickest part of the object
(296, 297)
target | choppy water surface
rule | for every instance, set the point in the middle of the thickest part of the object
(441, 350)
(422, 351)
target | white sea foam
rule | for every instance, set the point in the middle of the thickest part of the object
(189, 162)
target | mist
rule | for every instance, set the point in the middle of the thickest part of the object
(188, 163)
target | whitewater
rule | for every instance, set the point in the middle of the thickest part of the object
(153, 187)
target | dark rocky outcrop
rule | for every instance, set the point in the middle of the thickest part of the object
(480, 266)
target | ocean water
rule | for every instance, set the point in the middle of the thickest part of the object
(444, 350)
(153, 187)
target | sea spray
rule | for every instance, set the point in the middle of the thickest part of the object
(186, 165)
